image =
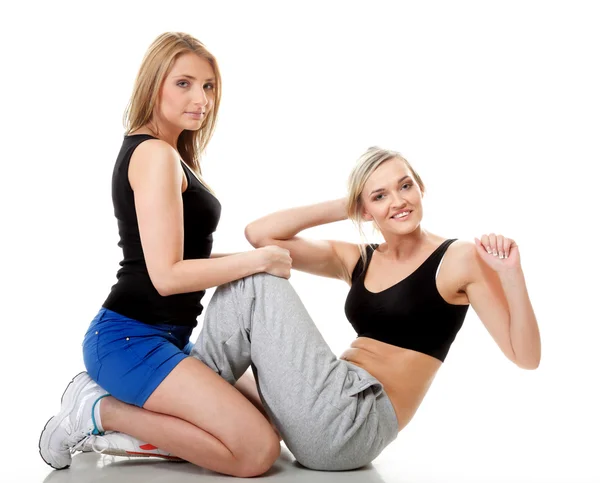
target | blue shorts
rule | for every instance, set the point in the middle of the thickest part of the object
(129, 358)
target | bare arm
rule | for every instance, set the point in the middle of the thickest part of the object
(498, 293)
(156, 179)
(221, 255)
(327, 258)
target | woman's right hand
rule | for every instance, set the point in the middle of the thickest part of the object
(276, 261)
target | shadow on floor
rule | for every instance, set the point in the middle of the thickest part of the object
(92, 467)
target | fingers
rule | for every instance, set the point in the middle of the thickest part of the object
(279, 261)
(480, 248)
(500, 244)
(504, 246)
(496, 245)
(507, 244)
(286, 260)
(493, 244)
(486, 242)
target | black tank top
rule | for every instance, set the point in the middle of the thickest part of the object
(134, 294)
(410, 314)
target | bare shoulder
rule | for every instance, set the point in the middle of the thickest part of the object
(151, 158)
(348, 254)
(462, 251)
(461, 262)
(346, 250)
(154, 150)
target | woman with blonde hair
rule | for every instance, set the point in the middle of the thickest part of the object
(137, 346)
(407, 301)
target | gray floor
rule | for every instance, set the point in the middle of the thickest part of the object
(407, 460)
(87, 468)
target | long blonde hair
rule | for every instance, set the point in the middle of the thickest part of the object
(365, 166)
(157, 63)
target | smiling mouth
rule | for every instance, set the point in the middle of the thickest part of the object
(402, 214)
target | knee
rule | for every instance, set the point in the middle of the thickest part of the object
(258, 281)
(270, 283)
(259, 460)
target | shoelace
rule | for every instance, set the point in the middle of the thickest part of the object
(75, 441)
(94, 438)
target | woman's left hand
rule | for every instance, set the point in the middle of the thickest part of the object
(498, 252)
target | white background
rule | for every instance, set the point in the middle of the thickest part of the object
(496, 105)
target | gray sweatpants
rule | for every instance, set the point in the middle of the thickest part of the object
(332, 415)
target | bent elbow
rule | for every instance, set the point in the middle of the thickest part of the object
(529, 365)
(162, 285)
(253, 238)
(163, 290)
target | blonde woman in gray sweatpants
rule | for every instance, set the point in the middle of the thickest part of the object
(407, 301)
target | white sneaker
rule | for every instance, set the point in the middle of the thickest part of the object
(73, 423)
(120, 444)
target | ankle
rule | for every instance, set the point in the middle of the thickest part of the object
(109, 407)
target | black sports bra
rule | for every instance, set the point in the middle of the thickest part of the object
(410, 314)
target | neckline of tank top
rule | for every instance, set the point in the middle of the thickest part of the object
(364, 274)
(180, 160)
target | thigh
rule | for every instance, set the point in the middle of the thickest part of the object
(90, 346)
(297, 371)
(195, 393)
(129, 358)
(305, 388)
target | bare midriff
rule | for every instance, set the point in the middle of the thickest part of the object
(406, 375)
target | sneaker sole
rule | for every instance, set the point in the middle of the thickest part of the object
(133, 454)
(66, 407)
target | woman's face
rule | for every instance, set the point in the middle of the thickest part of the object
(392, 199)
(187, 94)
